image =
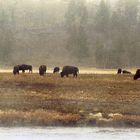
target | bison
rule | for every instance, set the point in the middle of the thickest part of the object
(42, 70)
(119, 71)
(56, 69)
(137, 75)
(126, 72)
(16, 70)
(24, 67)
(69, 70)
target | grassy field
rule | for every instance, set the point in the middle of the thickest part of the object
(89, 100)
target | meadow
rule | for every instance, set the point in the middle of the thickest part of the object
(88, 100)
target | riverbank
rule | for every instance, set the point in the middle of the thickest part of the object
(106, 100)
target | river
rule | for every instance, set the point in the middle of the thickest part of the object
(62, 133)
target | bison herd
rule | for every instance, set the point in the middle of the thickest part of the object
(66, 70)
(123, 71)
(136, 76)
(42, 70)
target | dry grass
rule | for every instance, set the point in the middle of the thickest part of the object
(29, 99)
(37, 117)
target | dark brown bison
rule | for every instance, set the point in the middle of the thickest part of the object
(24, 67)
(119, 71)
(42, 70)
(126, 72)
(16, 70)
(69, 70)
(137, 75)
(56, 69)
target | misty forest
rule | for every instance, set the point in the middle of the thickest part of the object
(88, 33)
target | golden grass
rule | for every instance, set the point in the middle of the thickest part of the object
(29, 99)
(37, 117)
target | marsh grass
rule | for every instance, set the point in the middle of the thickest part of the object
(29, 99)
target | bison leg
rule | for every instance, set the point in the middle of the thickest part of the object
(75, 75)
(30, 71)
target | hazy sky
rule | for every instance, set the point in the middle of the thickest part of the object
(68, 0)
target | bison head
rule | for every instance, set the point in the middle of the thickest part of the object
(135, 77)
(62, 74)
(16, 70)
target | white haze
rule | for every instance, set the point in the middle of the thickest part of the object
(37, 32)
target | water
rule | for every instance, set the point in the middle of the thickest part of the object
(61, 133)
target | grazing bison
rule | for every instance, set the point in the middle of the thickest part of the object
(24, 67)
(126, 72)
(56, 69)
(16, 70)
(42, 70)
(119, 71)
(69, 70)
(137, 75)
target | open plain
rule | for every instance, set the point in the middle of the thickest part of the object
(88, 100)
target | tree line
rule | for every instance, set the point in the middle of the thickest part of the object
(102, 35)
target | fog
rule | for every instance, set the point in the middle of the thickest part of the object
(88, 33)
